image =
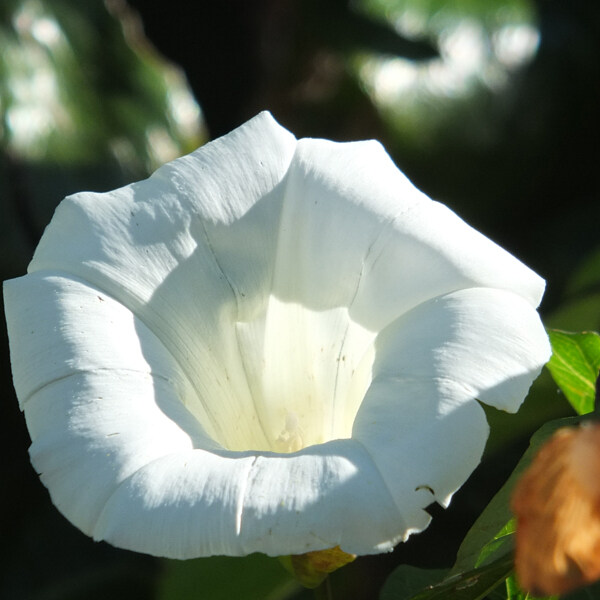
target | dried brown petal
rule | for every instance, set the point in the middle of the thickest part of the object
(557, 504)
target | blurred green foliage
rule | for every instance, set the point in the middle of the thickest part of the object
(490, 107)
(260, 578)
(481, 45)
(79, 86)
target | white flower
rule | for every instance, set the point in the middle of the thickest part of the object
(269, 345)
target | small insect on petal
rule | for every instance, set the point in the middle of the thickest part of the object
(557, 505)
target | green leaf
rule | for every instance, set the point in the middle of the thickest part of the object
(574, 366)
(470, 585)
(253, 577)
(499, 545)
(406, 581)
(490, 536)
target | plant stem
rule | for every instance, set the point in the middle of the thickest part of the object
(323, 591)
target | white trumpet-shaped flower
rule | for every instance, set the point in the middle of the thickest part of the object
(270, 345)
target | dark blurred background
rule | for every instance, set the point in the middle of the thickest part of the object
(490, 107)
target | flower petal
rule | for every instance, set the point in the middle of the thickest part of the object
(424, 448)
(308, 372)
(90, 431)
(129, 240)
(430, 366)
(61, 326)
(429, 251)
(349, 211)
(197, 504)
(206, 224)
(491, 342)
(338, 199)
(95, 409)
(121, 454)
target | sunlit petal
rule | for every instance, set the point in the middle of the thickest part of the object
(200, 503)
(268, 345)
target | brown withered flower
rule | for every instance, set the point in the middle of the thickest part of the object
(557, 505)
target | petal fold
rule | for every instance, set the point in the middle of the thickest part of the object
(491, 342)
(419, 419)
(91, 431)
(198, 504)
(424, 447)
(428, 251)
